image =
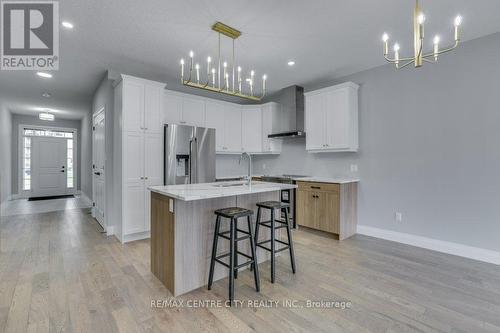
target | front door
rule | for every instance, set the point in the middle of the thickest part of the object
(49, 166)
(99, 156)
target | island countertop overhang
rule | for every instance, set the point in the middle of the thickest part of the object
(192, 192)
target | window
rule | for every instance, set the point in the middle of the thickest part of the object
(26, 170)
(51, 133)
(69, 177)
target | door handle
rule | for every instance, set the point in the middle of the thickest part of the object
(316, 187)
(97, 173)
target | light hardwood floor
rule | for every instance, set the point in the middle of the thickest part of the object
(58, 273)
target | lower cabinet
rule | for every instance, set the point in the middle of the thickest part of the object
(328, 207)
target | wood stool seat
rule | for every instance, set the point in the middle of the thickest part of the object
(233, 212)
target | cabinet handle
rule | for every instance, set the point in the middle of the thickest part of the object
(142, 177)
(316, 187)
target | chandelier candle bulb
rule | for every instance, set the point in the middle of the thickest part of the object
(227, 81)
(182, 70)
(396, 53)
(264, 78)
(458, 22)
(197, 73)
(239, 79)
(209, 60)
(385, 39)
(436, 47)
(421, 20)
(225, 72)
(213, 77)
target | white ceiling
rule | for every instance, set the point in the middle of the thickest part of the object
(326, 38)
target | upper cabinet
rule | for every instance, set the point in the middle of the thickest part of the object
(239, 128)
(251, 128)
(141, 105)
(331, 119)
(183, 109)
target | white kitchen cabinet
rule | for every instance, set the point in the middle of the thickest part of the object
(251, 129)
(271, 121)
(232, 129)
(183, 109)
(331, 119)
(133, 106)
(141, 105)
(139, 150)
(215, 112)
(153, 108)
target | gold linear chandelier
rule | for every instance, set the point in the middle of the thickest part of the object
(418, 43)
(217, 80)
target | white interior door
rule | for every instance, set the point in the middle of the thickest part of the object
(49, 166)
(98, 177)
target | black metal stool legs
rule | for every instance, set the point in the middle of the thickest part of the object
(234, 235)
(255, 264)
(273, 246)
(290, 246)
(275, 224)
(214, 253)
(232, 255)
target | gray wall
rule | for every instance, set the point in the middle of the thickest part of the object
(86, 161)
(32, 120)
(5, 153)
(429, 147)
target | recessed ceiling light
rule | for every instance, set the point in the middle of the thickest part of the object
(46, 116)
(67, 24)
(44, 75)
(291, 63)
(46, 95)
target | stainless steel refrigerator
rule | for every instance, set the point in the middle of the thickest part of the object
(189, 156)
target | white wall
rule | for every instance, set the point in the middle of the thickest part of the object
(429, 147)
(5, 153)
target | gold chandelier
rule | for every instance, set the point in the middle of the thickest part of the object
(218, 80)
(418, 43)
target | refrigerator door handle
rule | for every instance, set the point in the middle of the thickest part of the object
(191, 161)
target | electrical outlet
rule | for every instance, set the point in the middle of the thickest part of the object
(354, 168)
(398, 216)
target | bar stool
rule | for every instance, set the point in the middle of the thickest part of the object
(273, 206)
(233, 214)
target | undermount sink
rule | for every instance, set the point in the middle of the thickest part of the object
(230, 185)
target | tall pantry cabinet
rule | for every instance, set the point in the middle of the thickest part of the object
(138, 147)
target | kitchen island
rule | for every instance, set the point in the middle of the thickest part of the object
(182, 228)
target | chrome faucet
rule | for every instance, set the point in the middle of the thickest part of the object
(249, 176)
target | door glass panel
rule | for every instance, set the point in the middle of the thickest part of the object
(69, 172)
(26, 166)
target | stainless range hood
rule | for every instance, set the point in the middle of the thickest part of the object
(291, 100)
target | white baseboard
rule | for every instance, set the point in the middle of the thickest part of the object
(135, 237)
(457, 249)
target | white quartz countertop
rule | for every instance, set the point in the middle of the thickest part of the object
(191, 192)
(332, 180)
